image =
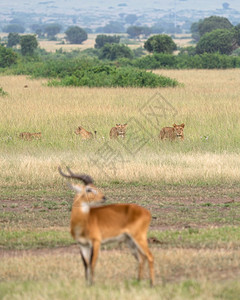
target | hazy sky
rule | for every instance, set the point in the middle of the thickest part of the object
(27, 5)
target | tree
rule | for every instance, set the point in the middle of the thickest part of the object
(146, 31)
(51, 30)
(219, 40)
(76, 35)
(157, 28)
(236, 31)
(18, 28)
(160, 43)
(195, 30)
(115, 51)
(28, 44)
(112, 27)
(7, 57)
(103, 39)
(13, 39)
(225, 5)
(38, 29)
(130, 19)
(212, 23)
(134, 31)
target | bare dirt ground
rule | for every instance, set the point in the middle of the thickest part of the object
(172, 208)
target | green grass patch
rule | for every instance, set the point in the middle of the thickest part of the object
(73, 289)
(222, 237)
(33, 239)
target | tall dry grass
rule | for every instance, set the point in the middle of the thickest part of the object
(207, 103)
(180, 274)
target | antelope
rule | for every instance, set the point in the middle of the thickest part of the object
(118, 130)
(86, 135)
(93, 224)
(172, 133)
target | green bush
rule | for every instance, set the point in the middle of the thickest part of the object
(7, 57)
(156, 61)
(115, 51)
(91, 72)
(111, 76)
(183, 61)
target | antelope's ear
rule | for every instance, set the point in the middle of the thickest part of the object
(174, 125)
(75, 188)
(125, 125)
(182, 125)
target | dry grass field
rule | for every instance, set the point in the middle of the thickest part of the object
(191, 187)
(52, 46)
(207, 104)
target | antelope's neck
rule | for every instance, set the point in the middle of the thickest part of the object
(80, 206)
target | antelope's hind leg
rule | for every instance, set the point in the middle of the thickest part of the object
(143, 246)
(138, 255)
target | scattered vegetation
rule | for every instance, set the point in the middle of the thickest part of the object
(2, 92)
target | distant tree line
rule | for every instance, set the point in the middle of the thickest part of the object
(215, 34)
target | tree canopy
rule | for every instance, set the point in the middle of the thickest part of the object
(28, 44)
(160, 43)
(115, 51)
(76, 35)
(212, 23)
(103, 39)
(13, 39)
(51, 30)
(18, 28)
(219, 40)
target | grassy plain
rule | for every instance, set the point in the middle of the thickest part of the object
(191, 188)
(207, 104)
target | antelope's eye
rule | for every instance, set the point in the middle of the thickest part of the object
(91, 190)
(88, 190)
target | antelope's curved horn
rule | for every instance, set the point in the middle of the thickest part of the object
(86, 179)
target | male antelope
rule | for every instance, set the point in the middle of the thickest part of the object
(86, 135)
(118, 131)
(172, 133)
(93, 225)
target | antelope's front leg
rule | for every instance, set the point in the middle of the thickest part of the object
(86, 254)
(95, 250)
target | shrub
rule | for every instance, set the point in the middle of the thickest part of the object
(103, 39)
(156, 61)
(111, 76)
(115, 51)
(7, 57)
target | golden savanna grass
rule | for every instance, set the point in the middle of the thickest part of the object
(207, 104)
(114, 277)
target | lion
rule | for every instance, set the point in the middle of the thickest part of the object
(118, 130)
(29, 136)
(172, 133)
(86, 135)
